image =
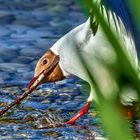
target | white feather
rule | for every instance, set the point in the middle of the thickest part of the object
(82, 40)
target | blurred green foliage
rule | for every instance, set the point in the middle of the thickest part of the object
(134, 6)
(124, 77)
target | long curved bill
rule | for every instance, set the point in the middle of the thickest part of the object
(32, 85)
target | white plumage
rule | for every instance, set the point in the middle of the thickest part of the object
(92, 46)
(87, 45)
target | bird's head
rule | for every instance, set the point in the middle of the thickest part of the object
(48, 64)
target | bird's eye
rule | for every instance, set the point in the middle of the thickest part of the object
(45, 61)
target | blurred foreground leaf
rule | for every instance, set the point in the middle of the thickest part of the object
(116, 126)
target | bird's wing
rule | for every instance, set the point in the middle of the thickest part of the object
(117, 15)
(120, 8)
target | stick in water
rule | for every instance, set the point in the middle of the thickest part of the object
(32, 87)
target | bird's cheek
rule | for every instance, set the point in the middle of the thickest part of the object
(55, 75)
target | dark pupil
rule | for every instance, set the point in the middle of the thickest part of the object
(45, 61)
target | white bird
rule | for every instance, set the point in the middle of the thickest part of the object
(89, 40)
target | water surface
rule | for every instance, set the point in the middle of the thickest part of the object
(28, 28)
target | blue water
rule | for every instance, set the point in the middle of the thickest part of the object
(28, 28)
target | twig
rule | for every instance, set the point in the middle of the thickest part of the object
(33, 86)
(17, 101)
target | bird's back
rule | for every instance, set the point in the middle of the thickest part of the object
(93, 45)
(99, 45)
